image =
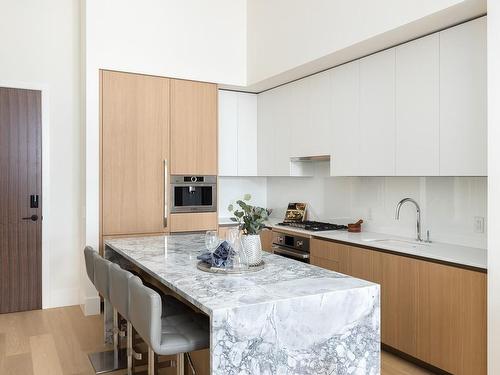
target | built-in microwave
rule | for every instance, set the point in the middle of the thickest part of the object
(193, 194)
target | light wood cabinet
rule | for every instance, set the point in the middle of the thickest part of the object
(330, 255)
(201, 363)
(463, 100)
(132, 156)
(433, 312)
(193, 148)
(364, 264)
(356, 262)
(452, 317)
(266, 239)
(193, 222)
(399, 303)
(140, 149)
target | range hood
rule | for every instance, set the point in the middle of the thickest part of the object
(310, 166)
(310, 158)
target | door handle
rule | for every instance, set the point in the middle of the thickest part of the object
(165, 193)
(32, 218)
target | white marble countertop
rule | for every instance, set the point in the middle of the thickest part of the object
(450, 253)
(172, 260)
(289, 318)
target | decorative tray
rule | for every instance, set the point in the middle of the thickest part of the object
(208, 268)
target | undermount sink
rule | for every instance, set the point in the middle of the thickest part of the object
(396, 242)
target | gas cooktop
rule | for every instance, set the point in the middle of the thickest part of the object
(314, 226)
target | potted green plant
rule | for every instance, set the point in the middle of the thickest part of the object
(251, 220)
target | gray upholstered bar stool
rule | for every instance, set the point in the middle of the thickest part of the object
(109, 360)
(119, 298)
(90, 254)
(168, 335)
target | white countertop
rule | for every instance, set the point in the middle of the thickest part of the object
(172, 260)
(257, 323)
(450, 253)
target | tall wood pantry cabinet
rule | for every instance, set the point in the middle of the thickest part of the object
(153, 127)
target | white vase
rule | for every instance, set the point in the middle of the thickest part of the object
(253, 248)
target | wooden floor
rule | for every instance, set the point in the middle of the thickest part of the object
(56, 341)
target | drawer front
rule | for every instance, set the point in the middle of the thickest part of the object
(196, 222)
(328, 250)
(326, 263)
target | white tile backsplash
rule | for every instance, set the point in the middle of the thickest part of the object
(449, 204)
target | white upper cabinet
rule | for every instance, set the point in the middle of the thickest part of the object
(294, 120)
(228, 133)
(237, 134)
(247, 134)
(377, 131)
(297, 97)
(417, 107)
(319, 126)
(345, 120)
(265, 135)
(310, 115)
(463, 111)
(283, 142)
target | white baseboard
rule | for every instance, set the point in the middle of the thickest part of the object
(63, 297)
(91, 306)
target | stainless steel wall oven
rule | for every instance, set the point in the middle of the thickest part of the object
(193, 194)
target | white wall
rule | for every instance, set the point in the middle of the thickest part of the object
(290, 39)
(194, 39)
(233, 188)
(493, 187)
(40, 42)
(449, 204)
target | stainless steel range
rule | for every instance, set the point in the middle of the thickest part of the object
(295, 246)
(314, 226)
(291, 246)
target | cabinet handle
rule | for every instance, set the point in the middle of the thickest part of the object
(165, 192)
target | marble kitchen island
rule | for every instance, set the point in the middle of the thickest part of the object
(289, 318)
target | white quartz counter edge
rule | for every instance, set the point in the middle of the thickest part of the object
(450, 253)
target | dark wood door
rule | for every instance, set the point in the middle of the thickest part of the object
(20, 193)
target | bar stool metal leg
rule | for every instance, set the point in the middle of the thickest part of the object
(152, 369)
(129, 348)
(179, 360)
(191, 364)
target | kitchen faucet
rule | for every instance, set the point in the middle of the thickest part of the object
(398, 208)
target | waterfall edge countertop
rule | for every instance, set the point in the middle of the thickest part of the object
(291, 317)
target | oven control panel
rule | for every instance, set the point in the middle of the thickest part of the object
(291, 241)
